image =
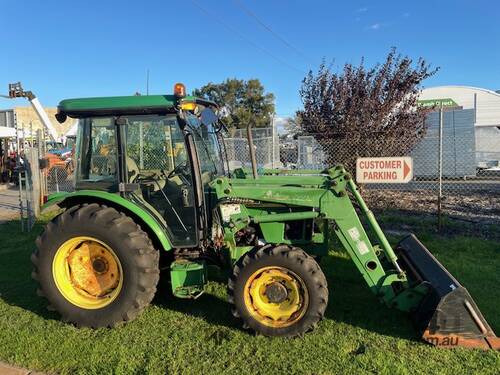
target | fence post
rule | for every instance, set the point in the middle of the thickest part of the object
(56, 178)
(252, 151)
(273, 142)
(40, 154)
(440, 168)
(44, 188)
(35, 183)
(475, 108)
(19, 170)
(141, 146)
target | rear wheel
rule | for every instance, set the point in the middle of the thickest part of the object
(278, 291)
(95, 266)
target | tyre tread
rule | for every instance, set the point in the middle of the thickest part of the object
(146, 257)
(302, 260)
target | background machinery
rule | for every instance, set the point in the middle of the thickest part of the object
(57, 162)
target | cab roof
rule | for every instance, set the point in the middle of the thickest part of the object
(120, 105)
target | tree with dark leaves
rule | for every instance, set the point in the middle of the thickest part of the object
(365, 112)
(241, 101)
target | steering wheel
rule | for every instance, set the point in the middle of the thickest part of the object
(179, 169)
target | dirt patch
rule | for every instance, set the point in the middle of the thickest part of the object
(474, 215)
(475, 208)
(9, 203)
(6, 369)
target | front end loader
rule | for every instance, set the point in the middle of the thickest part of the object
(153, 192)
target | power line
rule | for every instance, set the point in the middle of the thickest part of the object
(243, 37)
(240, 4)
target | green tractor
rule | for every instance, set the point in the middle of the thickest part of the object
(153, 192)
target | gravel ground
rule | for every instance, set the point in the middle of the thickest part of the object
(9, 203)
(471, 207)
(475, 215)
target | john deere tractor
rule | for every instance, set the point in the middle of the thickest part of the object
(153, 192)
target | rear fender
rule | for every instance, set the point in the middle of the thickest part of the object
(147, 222)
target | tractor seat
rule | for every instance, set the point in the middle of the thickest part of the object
(134, 171)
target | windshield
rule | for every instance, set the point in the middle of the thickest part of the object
(207, 148)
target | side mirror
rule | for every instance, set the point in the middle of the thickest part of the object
(208, 117)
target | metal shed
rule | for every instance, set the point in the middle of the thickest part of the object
(459, 145)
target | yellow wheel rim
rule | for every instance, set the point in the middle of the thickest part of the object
(87, 272)
(276, 297)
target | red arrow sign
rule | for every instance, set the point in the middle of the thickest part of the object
(383, 170)
(406, 169)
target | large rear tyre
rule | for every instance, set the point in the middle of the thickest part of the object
(95, 266)
(278, 291)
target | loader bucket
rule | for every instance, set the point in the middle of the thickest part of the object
(447, 316)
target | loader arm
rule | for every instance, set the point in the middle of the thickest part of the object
(443, 311)
(326, 195)
(407, 277)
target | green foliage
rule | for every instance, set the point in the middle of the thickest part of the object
(242, 101)
(293, 125)
(358, 335)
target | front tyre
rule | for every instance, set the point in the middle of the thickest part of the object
(95, 266)
(278, 291)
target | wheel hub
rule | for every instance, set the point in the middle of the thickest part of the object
(276, 292)
(100, 265)
(93, 269)
(87, 272)
(276, 296)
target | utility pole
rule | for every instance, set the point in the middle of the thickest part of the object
(440, 167)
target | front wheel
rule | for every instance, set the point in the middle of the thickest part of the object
(278, 291)
(95, 266)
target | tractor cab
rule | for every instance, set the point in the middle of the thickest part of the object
(159, 151)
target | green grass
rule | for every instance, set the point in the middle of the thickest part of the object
(358, 335)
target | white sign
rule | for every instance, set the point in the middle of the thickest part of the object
(229, 209)
(396, 170)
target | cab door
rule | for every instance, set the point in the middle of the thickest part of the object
(158, 161)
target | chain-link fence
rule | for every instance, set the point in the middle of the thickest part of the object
(453, 183)
(456, 166)
(59, 165)
(27, 169)
(266, 144)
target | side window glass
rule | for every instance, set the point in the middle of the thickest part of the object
(96, 151)
(154, 143)
(103, 160)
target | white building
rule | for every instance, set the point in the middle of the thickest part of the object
(6, 124)
(486, 105)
